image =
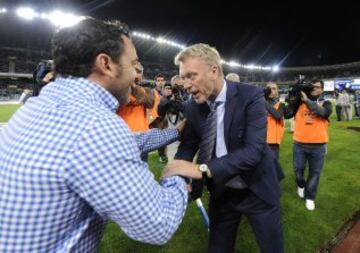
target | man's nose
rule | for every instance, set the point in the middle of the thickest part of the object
(187, 85)
(139, 68)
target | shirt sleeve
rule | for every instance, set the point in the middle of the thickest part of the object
(323, 111)
(277, 114)
(105, 170)
(156, 138)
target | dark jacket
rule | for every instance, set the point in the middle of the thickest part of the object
(249, 157)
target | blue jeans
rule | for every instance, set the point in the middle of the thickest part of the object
(314, 155)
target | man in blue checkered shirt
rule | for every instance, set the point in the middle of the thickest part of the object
(68, 163)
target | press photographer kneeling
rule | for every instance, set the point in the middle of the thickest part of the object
(310, 135)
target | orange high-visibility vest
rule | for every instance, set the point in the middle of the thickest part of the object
(309, 127)
(153, 111)
(134, 115)
(275, 128)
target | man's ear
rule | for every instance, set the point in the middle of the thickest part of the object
(104, 65)
(215, 71)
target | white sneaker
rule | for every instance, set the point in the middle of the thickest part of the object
(300, 192)
(310, 204)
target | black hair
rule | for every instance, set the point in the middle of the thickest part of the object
(159, 76)
(318, 81)
(75, 48)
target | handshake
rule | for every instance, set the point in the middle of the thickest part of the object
(187, 170)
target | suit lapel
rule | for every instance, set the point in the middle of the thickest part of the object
(231, 95)
(203, 111)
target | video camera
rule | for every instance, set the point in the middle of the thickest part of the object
(172, 104)
(294, 93)
(176, 103)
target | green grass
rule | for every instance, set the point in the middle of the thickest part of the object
(6, 111)
(304, 231)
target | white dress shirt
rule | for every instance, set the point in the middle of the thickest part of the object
(220, 149)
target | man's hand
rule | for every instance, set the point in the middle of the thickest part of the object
(182, 168)
(181, 126)
(304, 97)
(48, 77)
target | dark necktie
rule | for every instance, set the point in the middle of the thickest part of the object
(207, 143)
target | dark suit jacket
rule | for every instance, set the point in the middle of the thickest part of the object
(245, 137)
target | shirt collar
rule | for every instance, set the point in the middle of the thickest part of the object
(90, 90)
(222, 95)
(221, 98)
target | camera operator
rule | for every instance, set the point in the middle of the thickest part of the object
(310, 136)
(275, 118)
(135, 112)
(178, 83)
(42, 75)
(155, 120)
(171, 109)
(171, 105)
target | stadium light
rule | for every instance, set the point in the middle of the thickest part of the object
(234, 64)
(44, 16)
(275, 68)
(26, 13)
(251, 66)
(143, 35)
(161, 40)
(60, 19)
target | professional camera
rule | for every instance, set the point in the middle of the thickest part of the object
(175, 90)
(294, 93)
(174, 107)
(176, 102)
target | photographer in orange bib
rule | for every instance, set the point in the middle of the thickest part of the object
(310, 136)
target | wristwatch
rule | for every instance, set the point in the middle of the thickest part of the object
(204, 169)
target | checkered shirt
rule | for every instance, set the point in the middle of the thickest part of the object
(68, 164)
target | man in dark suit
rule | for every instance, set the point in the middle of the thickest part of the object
(226, 122)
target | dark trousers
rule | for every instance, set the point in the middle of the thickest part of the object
(144, 156)
(314, 155)
(357, 110)
(161, 152)
(225, 214)
(338, 109)
(276, 149)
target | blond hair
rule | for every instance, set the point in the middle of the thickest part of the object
(202, 51)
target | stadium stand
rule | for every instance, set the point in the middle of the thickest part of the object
(18, 64)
